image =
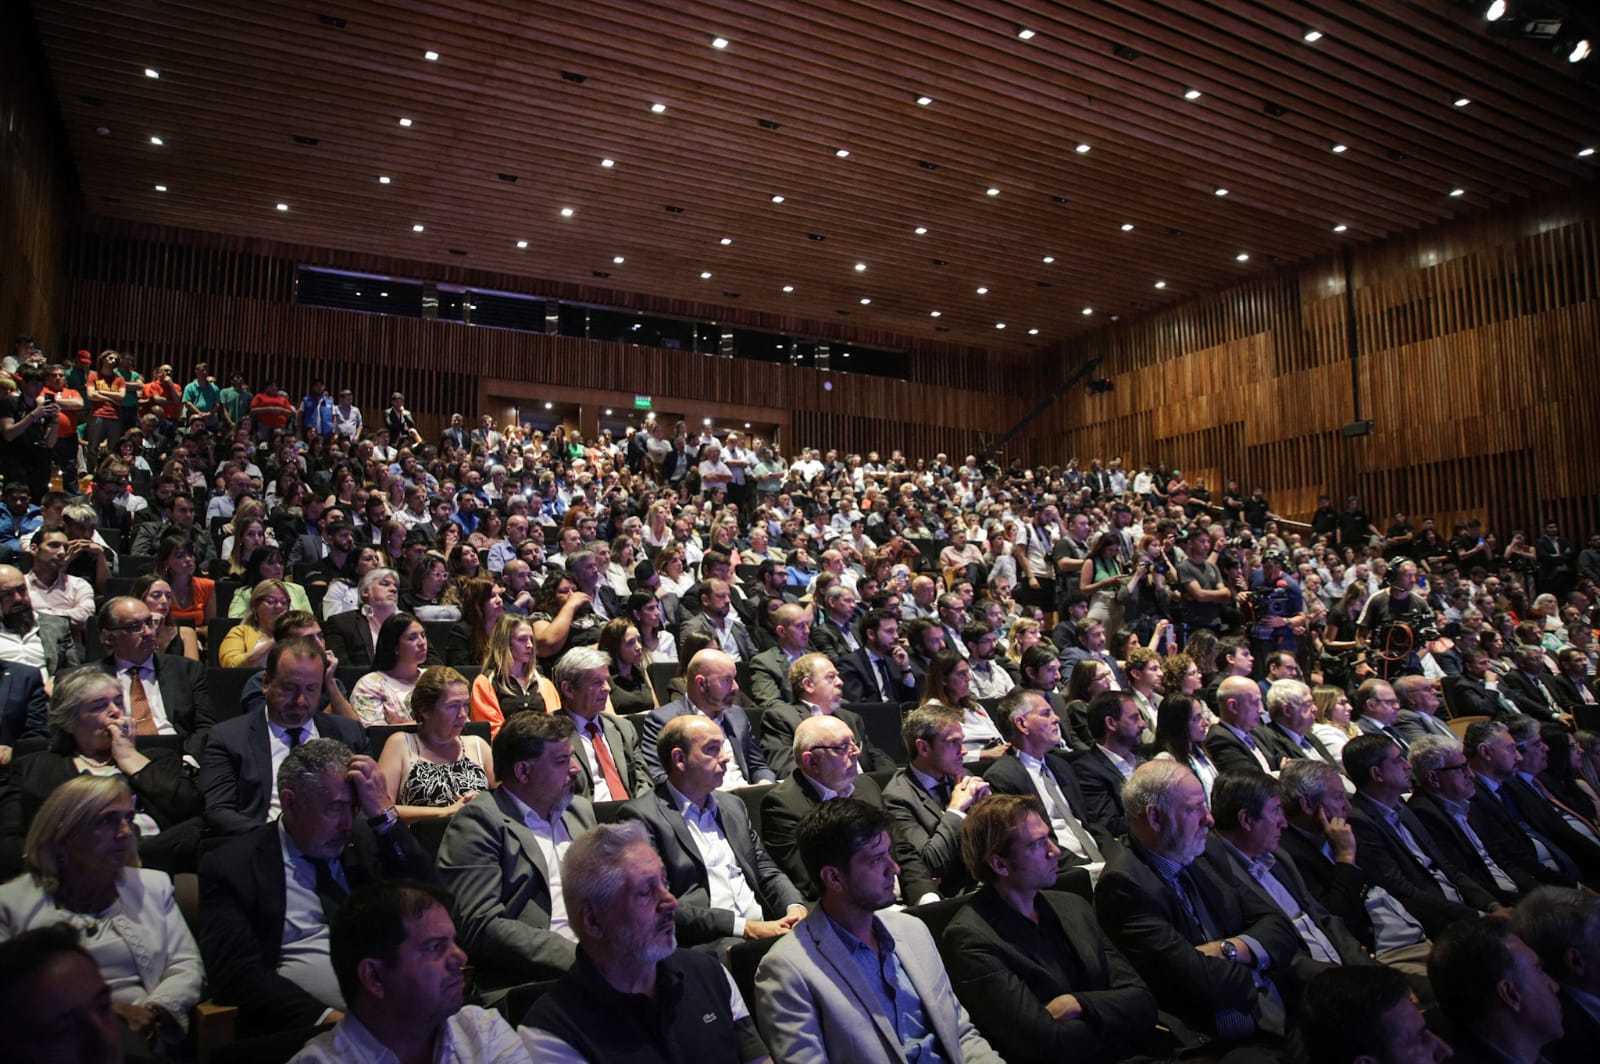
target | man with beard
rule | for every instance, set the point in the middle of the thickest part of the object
(631, 993)
(400, 971)
(42, 641)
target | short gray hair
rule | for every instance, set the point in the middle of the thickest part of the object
(1429, 753)
(79, 513)
(577, 661)
(591, 870)
(1306, 779)
(310, 762)
(71, 691)
(1281, 692)
(1151, 786)
(372, 577)
(1550, 919)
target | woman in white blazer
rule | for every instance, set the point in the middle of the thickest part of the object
(82, 868)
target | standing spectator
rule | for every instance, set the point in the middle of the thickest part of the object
(202, 397)
(316, 411)
(69, 403)
(347, 416)
(271, 410)
(104, 389)
(233, 402)
(401, 425)
(29, 424)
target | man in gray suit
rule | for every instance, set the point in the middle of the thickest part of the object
(727, 885)
(610, 764)
(855, 981)
(718, 620)
(501, 856)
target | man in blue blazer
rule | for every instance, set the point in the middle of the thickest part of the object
(711, 683)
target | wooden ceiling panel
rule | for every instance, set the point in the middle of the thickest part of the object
(240, 81)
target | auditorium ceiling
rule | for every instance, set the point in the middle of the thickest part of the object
(936, 168)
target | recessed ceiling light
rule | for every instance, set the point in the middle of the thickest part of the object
(1458, 192)
(522, 244)
(860, 266)
(406, 122)
(416, 228)
(719, 42)
(567, 212)
(1127, 227)
(1461, 101)
(1580, 51)
(1088, 311)
(152, 72)
(608, 163)
(1584, 153)
(1025, 34)
(788, 288)
(923, 101)
(705, 275)
(999, 325)
(843, 153)
(1341, 227)
(608, 411)
(983, 291)
(1161, 284)
(157, 141)
(382, 180)
(1339, 149)
(1082, 149)
(1311, 36)
(549, 406)
(777, 199)
(161, 188)
(1192, 94)
(617, 260)
(706, 422)
(934, 314)
(747, 424)
(1219, 192)
(1048, 259)
(992, 192)
(1243, 256)
(1497, 11)
(725, 241)
(865, 301)
(1033, 332)
(283, 206)
(431, 56)
(659, 108)
(921, 230)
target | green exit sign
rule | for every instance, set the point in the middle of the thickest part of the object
(641, 402)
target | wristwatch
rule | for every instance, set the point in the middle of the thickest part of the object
(384, 820)
(1229, 950)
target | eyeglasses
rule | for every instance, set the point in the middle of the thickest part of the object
(148, 624)
(1454, 768)
(848, 746)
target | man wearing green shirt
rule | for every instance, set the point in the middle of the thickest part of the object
(236, 399)
(200, 396)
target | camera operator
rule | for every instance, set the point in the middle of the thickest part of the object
(1280, 613)
(1396, 606)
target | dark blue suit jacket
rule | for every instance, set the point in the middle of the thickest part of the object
(236, 768)
(23, 707)
(746, 748)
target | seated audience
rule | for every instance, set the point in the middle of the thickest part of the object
(163, 694)
(481, 609)
(247, 644)
(435, 770)
(1180, 736)
(268, 896)
(52, 590)
(383, 696)
(1115, 725)
(81, 868)
(726, 883)
(266, 563)
(27, 638)
(710, 687)
(817, 692)
(510, 682)
(1365, 1014)
(1334, 726)
(173, 639)
(1563, 927)
(58, 1007)
(1231, 742)
(1529, 829)
(610, 761)
(1030, 963)
(1087, 680)
(827, 763)
(424, 597)
(769, 670)
(353, 635)
(193, 596)
(1502, 1007)
(614, 1002)
(1286, 734)
(92, 735)
(927, 801)
(502, 854)
(1442, 786)
(949, 684)
(631, 690)
(880, 669)
(877, 1011)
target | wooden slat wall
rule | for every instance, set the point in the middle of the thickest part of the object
(1479, 363)
(38, 186)
(180, 298)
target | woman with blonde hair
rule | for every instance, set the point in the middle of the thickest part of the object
(1334, 726)
(81, 862)
(511, 682)
(247, 644)
(250, 533)
(435, 770)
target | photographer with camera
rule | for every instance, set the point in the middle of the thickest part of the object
(1391, 621)
(1278, 607)
(28, 429)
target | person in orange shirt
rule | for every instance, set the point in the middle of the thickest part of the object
(271, 410)
(104, 391)
(163, 397)
(69, 401)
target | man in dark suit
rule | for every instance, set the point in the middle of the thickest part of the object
(718, 620)
(267, 896)
(880, 670)
(815, 681)
(1115, 724)
(710, 684)
(165, 694)
(148, 535)
(1525, 685)
(1092, 646)
(1244, 850)
(1563, 928)
(349, 634)
(1214, 955)
(1573, 690)
(23, 709)
(769, 670)
(708, 846)
(1508, 763)
(238, 769)
(1231, 743)
(1467, 695)
(1419, 709)
(1286, 736)
(1501, 1007)
(926, 801)
(1441, 797)
(1500, 820)
(501, 855)
(833, 631)
(827, 760)
(1377, 707)
(1555, 557)
(1396, 850)
(1369, 1014)
(610, 762)
(1035, 766)
(1035, 971)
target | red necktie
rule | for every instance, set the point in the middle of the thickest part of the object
(608, 767)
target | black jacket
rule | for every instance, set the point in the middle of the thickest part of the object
(236, 767)
(778, 724)
(782, 809)
(1007, 775)
(1385, 857)
(927, 841)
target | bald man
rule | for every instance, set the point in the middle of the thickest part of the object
(710, 686)
(1231, 743)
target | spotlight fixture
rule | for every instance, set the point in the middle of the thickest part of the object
(522, 245)
(417, 228)
(788, 288)
(1497, 11)
(1584, 153)
(991, 192)
(924, 101)
(1341, 227)
(1082, 149)
(1161, 284)
(1024, 34)
(658, 108)
(921, 230)
(1088, 311)
(283, 206)
(1192, 94)
(1311, 36)
(1580, 51)
(705, 275)
(1339, 149)
(157, 141)
(152, 72)
(935, 314)
(1219, 191)
(1243, 256)
(1458, 192)
(607, 163)
(842, 153)
(431, 56)
(719, 43)
(999, 325)
(777, 199)
(617, 260)
(383, 180)
(405, 123)
(1461, 101)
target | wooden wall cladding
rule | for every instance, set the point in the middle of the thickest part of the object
(180, 298)
(1479, 363)
(38, 186)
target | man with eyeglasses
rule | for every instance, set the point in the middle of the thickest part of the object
(827, 762)
(165, 694)
(1377, 707)
(1441, 796)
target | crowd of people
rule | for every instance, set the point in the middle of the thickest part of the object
(692, 748)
